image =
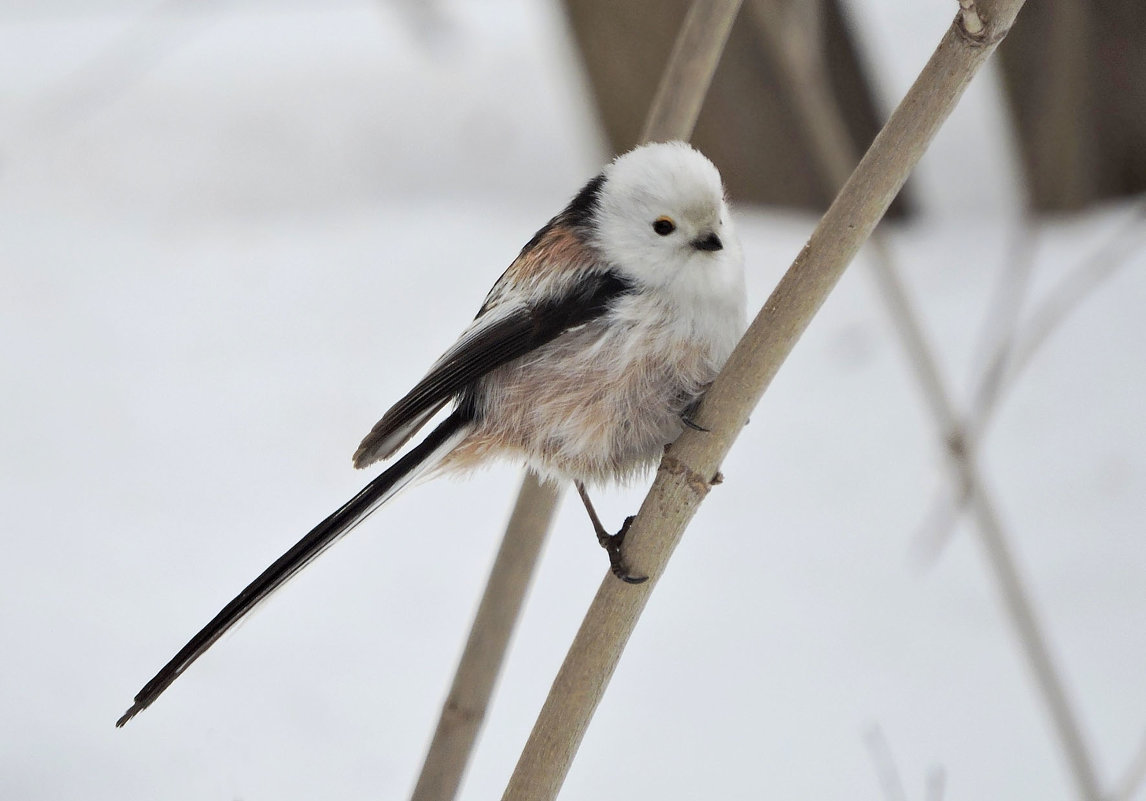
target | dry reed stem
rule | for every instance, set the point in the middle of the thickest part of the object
(884, 762)
(1017, 347)
(1134, 776)
(1068, 295)
(673, 115)
(965, 473)
(1002, 319)
(683, 478)
(1015, 351)
(689, 70)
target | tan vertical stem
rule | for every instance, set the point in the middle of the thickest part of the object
(689, 71)
(683, 479)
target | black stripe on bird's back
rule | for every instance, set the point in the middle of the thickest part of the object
(583, 208)
(514, 337)
(578, 215)
(586, 301)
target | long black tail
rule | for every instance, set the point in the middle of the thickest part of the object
(427, 454)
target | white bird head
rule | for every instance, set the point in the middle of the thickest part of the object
(663, 220)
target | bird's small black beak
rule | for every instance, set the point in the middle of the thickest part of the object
(709, 241)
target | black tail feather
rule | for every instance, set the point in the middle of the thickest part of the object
(299, 556)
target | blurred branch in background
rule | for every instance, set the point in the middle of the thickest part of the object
(888, 774)
(1016, 346)
(790, 30)
(1134, 777)
(122, 62)
(1062, 301)
(1004, 309)
(885, 768)
(1075, 73)
(464, 710)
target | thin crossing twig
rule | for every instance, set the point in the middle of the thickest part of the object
(1065, 298)
(996, 337)
(885, 768)
(1013, 353)
(1134, 776)
(1001, 323)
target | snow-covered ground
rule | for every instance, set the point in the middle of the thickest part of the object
(231, 234)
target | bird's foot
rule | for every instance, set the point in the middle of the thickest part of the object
(612, 544)
(690, 423)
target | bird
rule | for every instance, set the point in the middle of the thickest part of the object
(588, 357)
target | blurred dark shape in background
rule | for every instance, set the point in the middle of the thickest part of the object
(747, 126)
(1075, 74)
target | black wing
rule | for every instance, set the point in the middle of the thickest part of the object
(501, 339)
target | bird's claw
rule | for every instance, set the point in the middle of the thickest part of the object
(690, 423)
(612, 544)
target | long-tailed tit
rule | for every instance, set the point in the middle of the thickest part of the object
(586, 359)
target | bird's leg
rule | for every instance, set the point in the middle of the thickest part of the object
(686, 416)
(610, 542)
(690, 423)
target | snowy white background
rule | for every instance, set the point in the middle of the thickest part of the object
(232, 233)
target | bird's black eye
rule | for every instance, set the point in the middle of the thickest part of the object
(664, 226)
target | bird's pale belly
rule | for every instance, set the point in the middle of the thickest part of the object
(589, 409)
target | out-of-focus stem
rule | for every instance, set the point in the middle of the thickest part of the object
(465, 706)
(689, 71)
(799, 49)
